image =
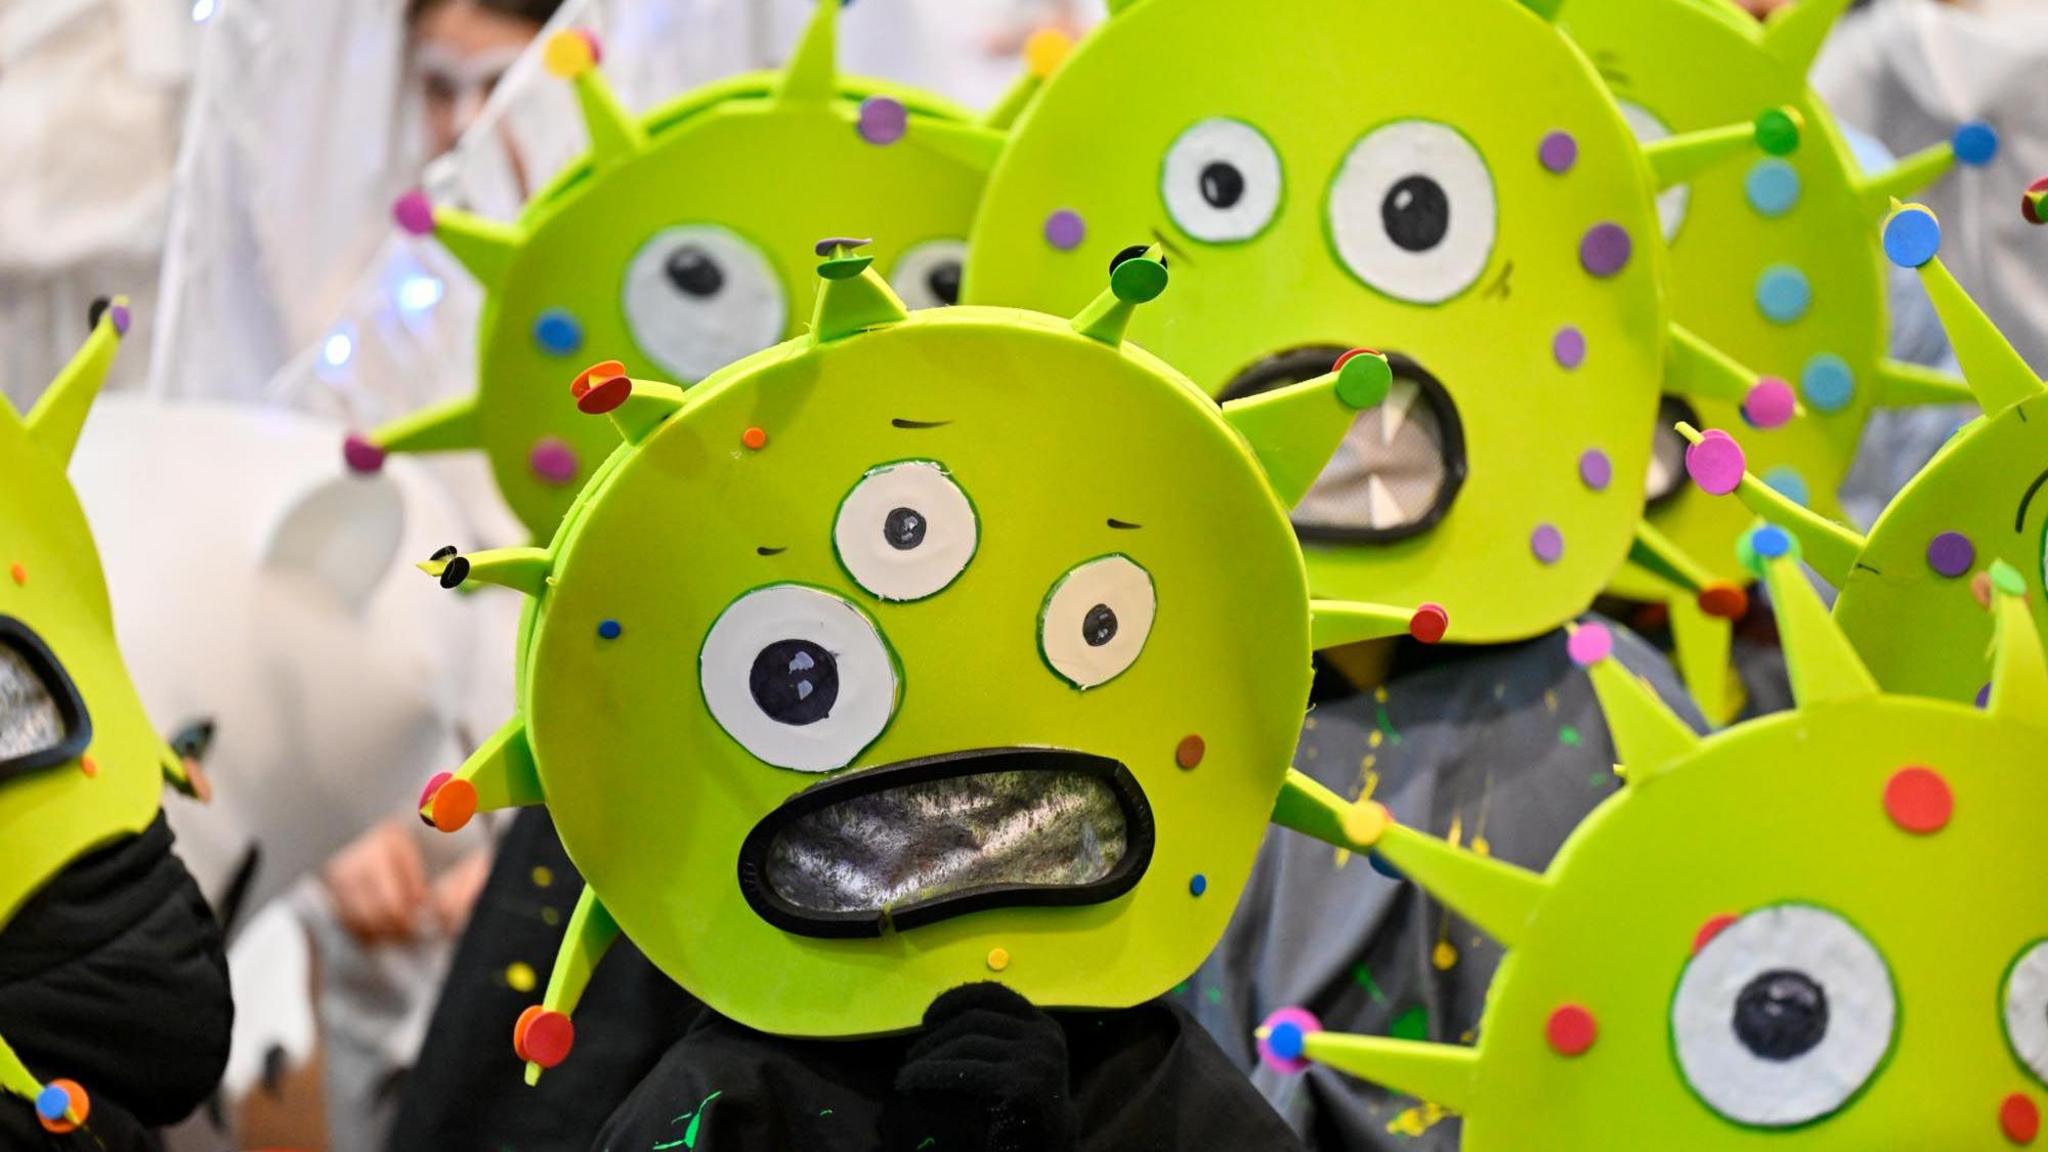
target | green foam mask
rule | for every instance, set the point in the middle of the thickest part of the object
(1775, 261)
(1909, 594)
(1824, 930)
(840, 696)
(80, 765)
(676, 245)
(1314, 192)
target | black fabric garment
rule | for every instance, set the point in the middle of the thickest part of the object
(467, 1089)
(113, 976)
(1142, 1080)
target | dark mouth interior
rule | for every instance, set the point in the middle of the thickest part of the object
(1667, 451)
(42, 720)
(1397, 471)
(923, 841)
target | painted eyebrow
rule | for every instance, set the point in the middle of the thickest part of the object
(900, 422)
(1123, 525)
(2019, 521)
(767, 550)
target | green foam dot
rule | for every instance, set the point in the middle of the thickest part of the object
(1777, 133)
(1364, 381)
(2007, 579)
(844, 267)
(1138, 280)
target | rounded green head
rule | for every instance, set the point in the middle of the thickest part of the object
(933, 647)
(1316, 185)
(678, 245)
(1822, 930)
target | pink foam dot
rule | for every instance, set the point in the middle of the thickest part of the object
(1569, 347)
(413, 213)
(1301, 1019)
(1596, 471)
(552, 460)
(1589, 644)
(360, 455)
(1547, 543)
(596, 45)
(1716, 464)
(1770, 403)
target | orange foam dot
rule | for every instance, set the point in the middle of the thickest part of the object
(543, 1037)
(1189, 752)
(1045, 50)
(89, 766)
(1714, 926)
(2020, 1119)
(453, 804)
(1571, 1030)
(998, 959)
(19, 573)
(601, 371)
(755, 438)
(81, 1109)
(1724, 601)
(1919, 800)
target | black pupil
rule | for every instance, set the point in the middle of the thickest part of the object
(1222, 184)
(1781, 1015)
(1416, 213)
(1132, 253)
(903, 529)
(694, 272)
(1099, 626)
(795, 682)
(944, 282)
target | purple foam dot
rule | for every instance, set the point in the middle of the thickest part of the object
(1065, 229)
(1605, 249)
(360, 455)
(119, 315)
(1596, 469)
(1770, 403)
(1984, 695)
(552, 460)
(1589, 644)
(1547, 543)
(1569, 346)
(1951, 554)
(883, 120)
(413, 213)
(1558, 152)
(1716, 463)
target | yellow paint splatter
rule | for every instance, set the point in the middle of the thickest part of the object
(1373, 738)
(1308, 724)
(1343, 857)
(1481, 846)
(543, 876)
(1417, 1120)
(1379, 694)
(1456, 835)
(550, 916)
(1445, 956)
(519, 974)
(1550, 701)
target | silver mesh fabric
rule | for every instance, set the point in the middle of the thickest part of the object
(1388, 471)
(30, 720)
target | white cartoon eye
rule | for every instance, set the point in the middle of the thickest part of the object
(1221, 181)
(1783, 1016)
(2026, 1009)
(1096, 620)
(801, 678)
(1412, 211)
(906, 531)
(928, 275)
(1673, 201)
(698, 297)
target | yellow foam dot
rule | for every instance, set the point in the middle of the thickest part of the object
(550, 917)
(1046, 50)
(1445, 957)
(543, 876)
(1364, 823)
(567, 55)
(520, 976)
(998, 959)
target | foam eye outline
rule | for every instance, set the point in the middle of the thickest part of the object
(2024, 999)
(865, 687)
(1675, 202)
(1114, 581)
(946, 528)
(691, 336)
(1371, 172)
(1243, 148)
(1860, 1029)
(911, 277)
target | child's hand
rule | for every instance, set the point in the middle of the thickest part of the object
(378, 884)
(989, 1071)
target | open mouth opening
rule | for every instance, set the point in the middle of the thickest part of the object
(1667, 451)
(918, 842)
(43, 721)
(1398, 470)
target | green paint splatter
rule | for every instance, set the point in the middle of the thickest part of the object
(1387, 725)
(1362, 976)
(1213, 995)
(825, 1112)
(1180, 989)
(695, 1118)
(927, 1142)
(1411, 1025)
(1568, 736)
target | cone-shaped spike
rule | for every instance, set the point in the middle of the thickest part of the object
(1133, 281)
(1547, 9)
(592, 932)
(1294, 430)
(484, 247)
(15, 1076)
(520, 569)
(1715, 463)
(500, 774)
(1044, 51)
(59, 414)
(973, 145)
(1701, 643)
(1901, 385)
(1974, 145)
(1795, 32)
(615, 134)
(1497, 896)
(1443, 1074)
(1649, 738)
(1677, 159)
(854, 297)
(1340, 622)
(812, 74)
(636, 407)
(1818, 659)
(2019, 670)
(447, 427)
(1693, 367)
(1995, 370)
(1307, 807)
(1659, 554)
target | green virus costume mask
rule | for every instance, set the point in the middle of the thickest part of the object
(1825, 929)
(1774, 261)
(80, 765)
(1909, 593)
(929, 648)
(666, 246)
(1313, 192)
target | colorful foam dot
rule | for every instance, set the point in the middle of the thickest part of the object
(1716, 463)
(569, 53)
(1558, 151)
(1065, 229)
(1139, 280)
(543, 1037)
(1772, 187)
(1045, 50)
(1605, 249)
(1769, 403)
(1783, 294)
(1984, 695)
(1568, 347)
(1571, 1030)
(609, 629)
(1596, 469)
(360, 455)
(1918, 800)
(1976, 144)
(1384, 866)
(17, 573)
(2007, 579)
(120, 318)
(1951, 554)
(89, 767)
(1189, 752)
(1777, 131)
(1770, 541)
(1827, 382)
(754, 438)
(1980, 589)
(1912, 237)
(543, 876)
(883, 120)
(557, 332)
(2020, 1119)
(998, 959)
(1547, 543)
(1723, 600)
(2033, 201)
(1429, 622)
(1714, 926)
(1197, 884)
(52, 1102)
(1786, 481)
(1363, 378)
(552, 460)
(520, 976)
(1283, 1039)
(414, 213)
(1589, 644)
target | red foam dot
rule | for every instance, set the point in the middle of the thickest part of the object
(1571, 1030)
(1189, 752)
(1714, 926)
(543, 1037)
(755, 438)
(1429, 623)
(1919, 800)
(605, 395)
(1724, 601)
(2020, 1119)
(601, 371)
(1346, 357)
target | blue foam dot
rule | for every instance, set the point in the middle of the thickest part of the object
(1199, 884)
(1384, 867)
(1912, 237)
(1783, 293)
(557, 332)
(1976, 143)
(1286, 1041)
(1786, 481)
(52, 1102)
(609, 629)
(1827, 383)
(1772, 187)
(1770, 541)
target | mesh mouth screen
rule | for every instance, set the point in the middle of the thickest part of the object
(940, 838)
(31, 720)
(1389, 471)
